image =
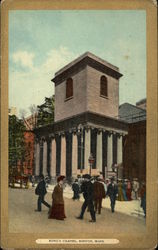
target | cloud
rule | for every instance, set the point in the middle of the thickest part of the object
(57, 58)
(34, 84)
(24, 58)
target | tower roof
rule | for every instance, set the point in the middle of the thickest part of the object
(82, 61)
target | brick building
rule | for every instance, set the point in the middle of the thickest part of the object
(29, 138)
(86, 107)
(28, 163)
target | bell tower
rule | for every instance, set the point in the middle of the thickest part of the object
(88, 83)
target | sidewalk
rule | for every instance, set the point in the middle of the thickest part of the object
(23, 218)
(131, 208)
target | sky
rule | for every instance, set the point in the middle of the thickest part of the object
(43, 41)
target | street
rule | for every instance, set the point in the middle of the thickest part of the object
(128, 216)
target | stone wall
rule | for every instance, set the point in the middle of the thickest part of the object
(86, 95)
(76, 105)
(101, 105)
(134, 152)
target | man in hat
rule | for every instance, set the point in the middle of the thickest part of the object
(76, 190)
(99, 194)
(87, 190)
(41, 192)
(112, 193)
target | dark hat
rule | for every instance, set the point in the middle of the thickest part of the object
(42, 176)
(60, 178)
(87, 176)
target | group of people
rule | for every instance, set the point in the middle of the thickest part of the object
(132, 190)
(128, 190)
(94, 190)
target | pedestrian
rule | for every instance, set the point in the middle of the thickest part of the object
(47, 180)
(107, 182)
(99, 194)
(76, 190)
(135, 188)
(120, 192)
(87, 190)
(128, 190)
(112, 193)
(104, 184)
(143, 197)
(33, 180)
(41, 192)
(57, 210)
(124, 187)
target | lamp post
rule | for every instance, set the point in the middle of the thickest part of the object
(91, 161)
(115, 169)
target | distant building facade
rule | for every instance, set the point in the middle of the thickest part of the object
(86, 104)
(31, 121)
(134, 143)
(131, 113)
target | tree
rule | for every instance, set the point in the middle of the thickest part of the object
(16, 142)
(46, 112)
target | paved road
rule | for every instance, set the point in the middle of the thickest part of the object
(22, 217)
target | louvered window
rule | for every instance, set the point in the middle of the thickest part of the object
(69, 88)
(103, 86)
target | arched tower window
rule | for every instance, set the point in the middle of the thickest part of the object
(69, 88)
(103, 86)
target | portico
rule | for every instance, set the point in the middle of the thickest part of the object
(78, 151)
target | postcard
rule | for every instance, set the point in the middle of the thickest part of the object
(79, 124)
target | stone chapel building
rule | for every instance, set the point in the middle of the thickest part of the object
(86, 111)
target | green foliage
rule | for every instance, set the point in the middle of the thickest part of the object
(46, 112)
(16, 141)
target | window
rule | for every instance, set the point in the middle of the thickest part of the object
(103, 86)
(69, 88)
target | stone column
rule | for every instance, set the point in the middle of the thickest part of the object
(37, 159)
(74, 154)
(87, 148)
(53, 158)
(109, 151)
(41, 155)
(63, 156)
(119, 149)
(119, 156)
(99, 151)
(45, 158)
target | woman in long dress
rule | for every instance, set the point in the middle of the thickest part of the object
(120, 191)
(129, 190)
(57, 211)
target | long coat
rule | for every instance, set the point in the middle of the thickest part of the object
(41, 188)
(57, 195)
(99, 191)
(112, 190)
(87, 190)
(120, 192)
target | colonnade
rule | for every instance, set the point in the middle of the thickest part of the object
(42, 167)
